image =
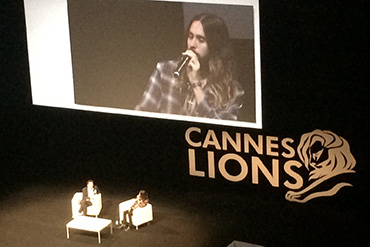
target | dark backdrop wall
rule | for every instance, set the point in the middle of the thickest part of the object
(116, 45)
(313, 76)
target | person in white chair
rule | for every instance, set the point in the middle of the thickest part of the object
(141, 201)
(88, 194)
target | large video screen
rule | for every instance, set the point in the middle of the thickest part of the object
(196, 61)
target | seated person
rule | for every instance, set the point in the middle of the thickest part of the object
(208, 85)
(141, 201)
(88, 194)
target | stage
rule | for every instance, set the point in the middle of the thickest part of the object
(312, 78)
(37, 216)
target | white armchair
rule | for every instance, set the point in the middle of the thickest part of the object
(93, 210)
(139, 215)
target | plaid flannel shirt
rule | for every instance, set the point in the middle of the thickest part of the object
(163, 96)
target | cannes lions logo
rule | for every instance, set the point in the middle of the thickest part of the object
(325, 155)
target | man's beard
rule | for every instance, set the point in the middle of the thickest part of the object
(204, 66)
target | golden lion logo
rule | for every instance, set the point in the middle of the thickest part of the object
(325, 155)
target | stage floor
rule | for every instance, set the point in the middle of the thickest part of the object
(37, 216)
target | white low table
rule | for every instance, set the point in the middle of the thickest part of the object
(90, 224)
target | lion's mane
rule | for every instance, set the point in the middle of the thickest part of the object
(340, 160)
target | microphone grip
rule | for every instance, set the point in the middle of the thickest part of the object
(181, 65)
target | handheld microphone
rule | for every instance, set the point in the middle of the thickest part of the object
(181, 65)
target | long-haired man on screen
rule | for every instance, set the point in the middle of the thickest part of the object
(206, 87)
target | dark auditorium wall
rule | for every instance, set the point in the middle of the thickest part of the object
(313, 77)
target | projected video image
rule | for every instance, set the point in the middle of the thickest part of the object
(195, 62)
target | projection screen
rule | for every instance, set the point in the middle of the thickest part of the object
(100, 55)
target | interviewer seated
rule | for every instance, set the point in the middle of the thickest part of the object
(88, 194)
(141, 201)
